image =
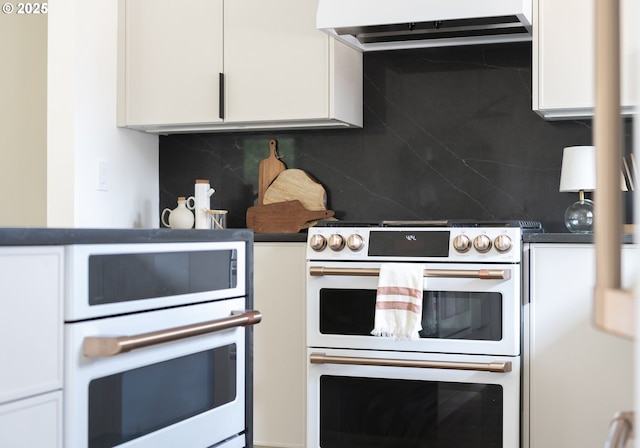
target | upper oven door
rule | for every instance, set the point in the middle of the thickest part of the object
(107, 280)
(462, 312)
(169, 390)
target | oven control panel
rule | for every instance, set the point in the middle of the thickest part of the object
(445, 244)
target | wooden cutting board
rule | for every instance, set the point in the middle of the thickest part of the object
(268, 170)
(295, 184)
(283, 217)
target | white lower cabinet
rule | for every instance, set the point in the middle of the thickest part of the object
(279, 346)
(34, 422)
(31, 345)
(576, 377)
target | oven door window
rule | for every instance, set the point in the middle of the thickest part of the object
(393, 413)
(445, 314)
(123, 277)
(133, 403)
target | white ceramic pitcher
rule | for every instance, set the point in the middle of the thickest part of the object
(180, 217)
(202, 203)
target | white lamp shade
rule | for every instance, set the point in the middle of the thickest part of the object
(578, 169)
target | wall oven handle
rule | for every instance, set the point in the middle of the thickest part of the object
(497, 367)
(482, 274)
(110, 346)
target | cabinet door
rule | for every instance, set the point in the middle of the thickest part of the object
(564, 57)
(279, 345)
(31, 321)
(578, 375)
(32, 422)
(276, 61)
(173, 61)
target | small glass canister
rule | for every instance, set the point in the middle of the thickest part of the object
(218, 219)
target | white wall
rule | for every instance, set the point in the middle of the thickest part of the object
(82, 94)
(23, 119)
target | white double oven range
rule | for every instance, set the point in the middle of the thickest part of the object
(459, 383)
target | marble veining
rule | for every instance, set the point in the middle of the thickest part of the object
(448, 133)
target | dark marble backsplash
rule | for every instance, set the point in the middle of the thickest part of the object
(448, 133)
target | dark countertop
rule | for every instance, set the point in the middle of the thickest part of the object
(280, 237)
(25, 236)
(567, 238)
(21, 236)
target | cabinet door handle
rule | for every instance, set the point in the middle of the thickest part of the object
(114, 345)
(221, 95)
(497, 367)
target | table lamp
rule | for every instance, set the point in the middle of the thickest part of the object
(579, 175)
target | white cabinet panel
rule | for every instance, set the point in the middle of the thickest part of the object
(564, 57)
(576, 376)
(31, 321)
(173, 61)
(263, 70)
(279, 346)
(32, 423)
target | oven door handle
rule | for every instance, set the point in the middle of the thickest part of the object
(110, 346)
(496, 367)
(482, 274)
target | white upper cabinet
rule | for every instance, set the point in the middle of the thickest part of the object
(564, 58)
(215, 65)
(173, 59)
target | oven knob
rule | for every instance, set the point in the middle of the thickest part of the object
(318, 242)
(336, 242)
(355, 242)
(503, 243)
(462, 243)
(482, 243)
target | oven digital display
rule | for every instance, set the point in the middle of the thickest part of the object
(409, 243)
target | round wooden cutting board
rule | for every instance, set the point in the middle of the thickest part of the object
(294, 184)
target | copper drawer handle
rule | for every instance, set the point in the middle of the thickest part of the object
(497, 367)
(482, 274)
(110, 346)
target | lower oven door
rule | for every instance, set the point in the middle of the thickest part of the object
(364, 399)
(188, 392)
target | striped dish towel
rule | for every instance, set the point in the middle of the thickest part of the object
(399, 301)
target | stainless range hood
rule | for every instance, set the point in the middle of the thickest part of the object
(373, 25)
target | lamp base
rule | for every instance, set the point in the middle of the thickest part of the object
(579, 217)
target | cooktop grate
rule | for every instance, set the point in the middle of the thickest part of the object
(525, 225)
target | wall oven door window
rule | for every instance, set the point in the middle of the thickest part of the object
(187, 392)
(459, 315)
(394, 400)
(119, 279)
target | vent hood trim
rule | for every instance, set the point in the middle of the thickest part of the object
(375, 25)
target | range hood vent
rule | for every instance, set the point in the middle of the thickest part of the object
(374, 25)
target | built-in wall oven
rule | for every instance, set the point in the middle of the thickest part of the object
(156, 345)
(458, 384)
